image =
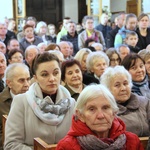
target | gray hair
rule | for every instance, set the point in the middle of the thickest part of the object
(122, 45)
(56, 53)
(41, 44)
(39, 25)
(30, 47)
(94, 55)
(12, 70)
(94, 91)
(80, 54)
(110, 73)
(97, 44)
(85, 18)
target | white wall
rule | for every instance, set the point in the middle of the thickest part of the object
(70, 9)
(6, 8)
(146, 5)
(118, 5)
(106, 3)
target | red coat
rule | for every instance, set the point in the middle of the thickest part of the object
(78, 128)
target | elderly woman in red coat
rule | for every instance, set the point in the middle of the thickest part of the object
(95, 125)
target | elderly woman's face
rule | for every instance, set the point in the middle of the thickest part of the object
(120, 88)
(98, 115)
(138, 71)
(73, 76)
(48, 76)
(99, 66)
(29, 32)
(16, 58)
(43, 30)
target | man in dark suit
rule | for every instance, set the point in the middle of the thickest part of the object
(71, 36)
(111, 35)
(103, 27)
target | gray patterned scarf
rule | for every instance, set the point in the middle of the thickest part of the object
(91, 142)
(49, 112)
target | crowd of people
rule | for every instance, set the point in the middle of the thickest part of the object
(82, 85)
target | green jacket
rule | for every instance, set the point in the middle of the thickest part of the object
(60, 34)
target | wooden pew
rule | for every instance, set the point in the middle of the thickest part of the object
(39, 144)
(144, 141)
(4, 118)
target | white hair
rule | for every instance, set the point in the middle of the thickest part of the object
(120, 46)
(97, 44)
(30, 47)
(111, 72)
(94, 55)
(39, 25)
(94, 91)
(56, 53)
(41, 44)
(11, 70)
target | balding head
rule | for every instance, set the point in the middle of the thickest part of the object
(13, 44)
(30, 53)
(17, 78)
(65, 48)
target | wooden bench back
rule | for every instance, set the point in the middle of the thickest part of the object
(39, 144)
(144, 141)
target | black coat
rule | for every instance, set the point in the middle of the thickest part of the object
(111, 37)
(73, 40)
(11, 34)
(134, 49)
(88, 78)
(143, 41)
(105, 30)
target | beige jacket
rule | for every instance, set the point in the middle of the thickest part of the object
(23, 125)
(82, 37)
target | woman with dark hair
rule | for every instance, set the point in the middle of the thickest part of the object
(113, 57)
(143, 31)
(44, 111)
(15, 56)
(90, 33)
(136, 67)
(72, 76)
(29, 38)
